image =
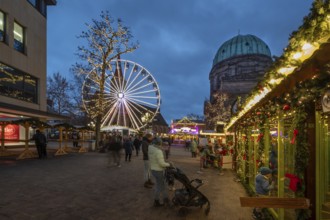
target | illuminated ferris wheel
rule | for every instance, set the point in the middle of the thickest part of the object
(128, 94)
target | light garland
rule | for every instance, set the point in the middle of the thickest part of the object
(302, 53)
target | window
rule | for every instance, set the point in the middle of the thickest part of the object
(18, 37)
(40, 5)
(2, 26)
(17, 84)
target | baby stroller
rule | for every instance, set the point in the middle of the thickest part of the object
(188, 195)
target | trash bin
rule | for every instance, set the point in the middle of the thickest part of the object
(91, 145)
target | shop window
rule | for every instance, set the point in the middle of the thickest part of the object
(18, 37)
(17, 84)
(2, 26)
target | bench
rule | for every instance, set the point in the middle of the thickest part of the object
(275, 202)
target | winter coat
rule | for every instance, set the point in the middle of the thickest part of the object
(262, 184)
(193, 146)
(145, 146)
(156, 158)
(128, 146)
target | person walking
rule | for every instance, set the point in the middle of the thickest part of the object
(193, 148)
(157, 166)
(128, 146)
(75, 138)
(115, 145)
(147, 139)
(41, 143)
(137, 144)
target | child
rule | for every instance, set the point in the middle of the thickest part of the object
(263, 185)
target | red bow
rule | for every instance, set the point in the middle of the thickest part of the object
(295, 133)
(294, 180)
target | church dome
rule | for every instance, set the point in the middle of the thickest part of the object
(241, 45)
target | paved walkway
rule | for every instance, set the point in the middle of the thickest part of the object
(81, 186)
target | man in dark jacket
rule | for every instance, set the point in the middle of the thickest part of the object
(137, 144)
(147, 139)
(41, 143)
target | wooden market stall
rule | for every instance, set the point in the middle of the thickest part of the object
(284, 123)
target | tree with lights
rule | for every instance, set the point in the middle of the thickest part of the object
(107, 39)
(216, 110)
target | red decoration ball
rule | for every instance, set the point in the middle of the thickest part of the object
(286, 107)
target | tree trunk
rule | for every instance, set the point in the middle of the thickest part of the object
(97, 131)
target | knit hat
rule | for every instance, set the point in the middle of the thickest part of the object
(265, 170)
(157, 141)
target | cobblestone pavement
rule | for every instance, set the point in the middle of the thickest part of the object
(81, 186)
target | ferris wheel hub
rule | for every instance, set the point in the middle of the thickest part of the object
(120, 95)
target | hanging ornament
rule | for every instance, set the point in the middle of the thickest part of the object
(295, 133)
(286, 107)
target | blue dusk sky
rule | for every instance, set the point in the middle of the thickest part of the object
(178, 38)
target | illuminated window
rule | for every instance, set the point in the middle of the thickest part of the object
(18, 37)
(2, 26)
(17, 84)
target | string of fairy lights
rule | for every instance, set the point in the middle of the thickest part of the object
(301, 47)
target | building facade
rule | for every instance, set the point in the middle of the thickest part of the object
(23, 76)
(238, 65)
(23, 25)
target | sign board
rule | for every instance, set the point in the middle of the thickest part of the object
(11, 132)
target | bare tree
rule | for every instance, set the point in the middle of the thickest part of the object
(107, 39)
(217, 110)
(59, 93)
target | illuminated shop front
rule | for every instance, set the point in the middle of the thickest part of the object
(185, 129)
(284, 124)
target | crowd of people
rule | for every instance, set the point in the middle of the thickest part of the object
(155, 155)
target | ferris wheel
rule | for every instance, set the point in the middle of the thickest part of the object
(126, 95)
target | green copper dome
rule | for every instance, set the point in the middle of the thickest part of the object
(241, 45)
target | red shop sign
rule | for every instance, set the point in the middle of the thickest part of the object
(11, 132)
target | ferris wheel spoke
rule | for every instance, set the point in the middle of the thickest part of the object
(142, 92)
(136, 119)
(130, 75)
(109, 114)
(136, 105)
(130, 114)
(138, 83)
(139, 88)
(114, 84)
(121, 76)
(142, 97)
(142, 102)
(131, 82)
